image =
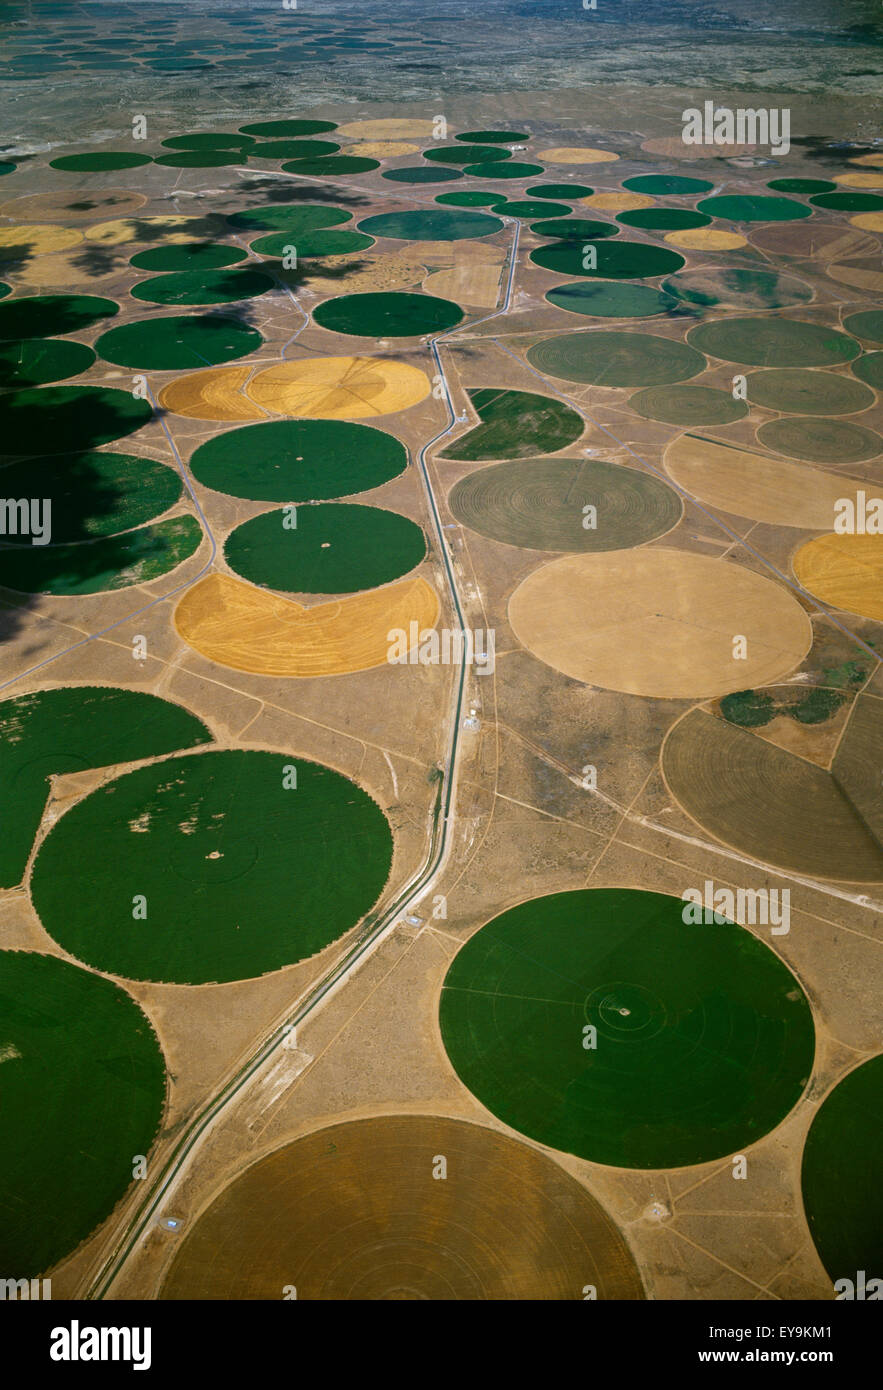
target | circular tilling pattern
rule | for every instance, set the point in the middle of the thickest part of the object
(845, 572)
(805, 392)
(820, 441)
(246, 862)
(687, 405)
(766, 342)
(599, 1022)
(659, 623)
(353, 1213)
(616, 359)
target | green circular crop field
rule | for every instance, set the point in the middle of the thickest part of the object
(667, 184)
(201, 159)
(106, 563)
(334, 548)
(613, 260)
(422, 173)
(766, 342)
(36, 361)
(391, 315)
(866, 324)
(431, 224)
(185, 341)
(203, 286)
(82, 1092)
(207, 140)
(759, 207)
(298, 217)
(331, 166)
(801, 185)
(869, 368)
(247, 862)
(325, 241)
(840, 1176)
(527, 208)
(493, 137)
(663, 219)
(48, 315)
(272, 129)
(560, 190)
(459, 154)
(575, 229)
(703, 1039)
(541, 504)
(515, 425)
(503, 169)
(293, 149)
(199, 255)
(94, 163)
(94, 493)
(849, 202)
(806, 392)
(688, 405)
(818, 440)
(470, 198)
(616, 359)
(614, 299)
(737, 288)
(298, 460)
(55, 419)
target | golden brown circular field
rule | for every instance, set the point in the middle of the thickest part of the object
(381, 149)
(354, 1213)
(62, 269)
(844, 572)
(617, 202)
(339, 388)
(868, 221)
(859, 180)
(673, 147)
(577, 154)
(829, 243)
(659, 622)
(392, 128)
(705, 239)
(173, 230)
(38, 238)
(214, 394)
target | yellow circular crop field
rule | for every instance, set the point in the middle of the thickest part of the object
(173, 230)
(381, 149)
(577, 154)
(617, 202)
(37, 238)
(844, 572)
(705, 239)
(80, 206)
(339, 388)
(215, 394)
(868, 221)
(393, 128)
(858, 180)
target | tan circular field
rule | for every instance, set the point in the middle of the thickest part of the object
(577, 154)
(868, 221)
(617, 202)
(743, 483)
(860, 277)
(844, 572)
(248, 629)
(829, 243)
(477, 283)
(354, 1213)
(381, 149)
(448, 253)
(80, 206)
(394, 128)
(673, 147)
(339, 388)
(874, 161)
(659, 623)
(705, 239)
(377, 274)
(64, 268)
(173, 230)
(215, 394)
(38, 238)
(857, 180)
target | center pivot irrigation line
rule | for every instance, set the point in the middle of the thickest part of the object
(442, 822)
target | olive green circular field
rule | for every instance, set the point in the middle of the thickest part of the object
(89, 163)
(458, 154)
(470, 198)
(808, 392)
(201, 159)
(760, 207)
(688, 405)
(5, 290)
(663, 219)
(614, 299)
(422, 173)
(840, 1176)
(36, 361)
(431, 224)
(107, 563)
(869, 368)
(207, 140)
(298, 460)
(737, 288)
(298, 217)
(272, 129)
(198, 255)
(849, 202)
(83, 1089)
(503, 169)
(92, 493)
(527, 208)
(293, 149)
(866, 324)
(323, 242)
(769, 342)
(391, 315)
(575, 229)
(331, 166)
(616, 359)
(819, 440)
(541, 504)
(493, 137)
(334, 548)
(801, 185)
(560, 190)
(56, 419)
(613, 260)
(47, 315)
(663, 184)
(248, 861)
(600, 1023)
(203, 286)
(188, 341)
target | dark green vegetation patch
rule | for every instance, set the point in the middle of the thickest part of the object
(817, 440)
(688, 405)
(575, 229)
(293, 149)
(186, 341)
(203, 286)
(759, 207)
(298, 460)
(331, 166)
(107, 159)
(560, 190)
(801, 185)
(515, 425)
(47, 315)
(248, 861)
(662, 184)
(849, 202)
(94, 493)
(35, 361)
(201, 159)
(493, 137)
(458, 154)
(866, 324)
(611, 299)
(869, 368)
(663, 219)
(323, 242)
(110, 562)
(751, 709)
(387, 315)
(298, 217)
(272, 129)
(507, 169)
(334, 548)
(431, 224)
(842, 1158)
(51, 732)
(198, 255)
(808, 392)
(704, 1039)
(738, 288)
(471, 198)
(422, 173)
(526, 208)
(616, 359)
(53, 419)
(82, 1089)
(207, 140)
(544, 504)
(769, 342)
(613, 260)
